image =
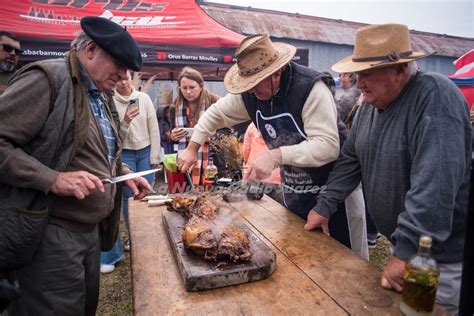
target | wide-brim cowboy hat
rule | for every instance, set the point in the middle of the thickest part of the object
(257, 58)
(377, 46)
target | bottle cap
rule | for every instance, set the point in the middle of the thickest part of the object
(425, 241)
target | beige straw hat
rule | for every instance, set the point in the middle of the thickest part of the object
(257, 58)
(379, 45)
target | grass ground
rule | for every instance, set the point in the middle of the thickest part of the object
(116, 288)
(115, 296)
(381, 253)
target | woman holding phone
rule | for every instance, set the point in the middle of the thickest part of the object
(140, 135)
(192, 101)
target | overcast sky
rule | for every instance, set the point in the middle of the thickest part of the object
(452, 17)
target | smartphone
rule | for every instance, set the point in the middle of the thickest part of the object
(133, 103)
(189, 131)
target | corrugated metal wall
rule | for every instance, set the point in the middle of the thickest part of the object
(327, 41)
(321, 57)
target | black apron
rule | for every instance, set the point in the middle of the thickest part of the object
(300, 186)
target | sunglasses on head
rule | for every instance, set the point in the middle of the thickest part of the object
(7, 48)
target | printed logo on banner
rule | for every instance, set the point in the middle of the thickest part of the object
(50, 15)
(111, 5)
(228, 58)
(161, 56)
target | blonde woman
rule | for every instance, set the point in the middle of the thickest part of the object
(192, 101)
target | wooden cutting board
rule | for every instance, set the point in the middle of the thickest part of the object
(199, 274)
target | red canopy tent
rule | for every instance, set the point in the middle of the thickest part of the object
(464, 76)
(170, 34)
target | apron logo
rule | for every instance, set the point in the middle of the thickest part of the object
(270, 130)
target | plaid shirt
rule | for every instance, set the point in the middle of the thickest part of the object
(181, 117)
(97, 102)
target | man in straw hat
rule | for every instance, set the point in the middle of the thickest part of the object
(296, 115)
(55, 160)
(410, 146)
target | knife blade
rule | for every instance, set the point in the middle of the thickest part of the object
(190, 179)
(130, 176)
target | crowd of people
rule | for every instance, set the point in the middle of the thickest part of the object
(388, 152)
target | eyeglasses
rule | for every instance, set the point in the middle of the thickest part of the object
(8, 48)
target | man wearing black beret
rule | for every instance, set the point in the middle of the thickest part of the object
(55, 160)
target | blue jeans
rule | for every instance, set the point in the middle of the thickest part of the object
(114, 255)
(138, 160)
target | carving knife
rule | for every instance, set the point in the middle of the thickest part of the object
(130, 176)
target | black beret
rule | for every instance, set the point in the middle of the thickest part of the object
(114, 39)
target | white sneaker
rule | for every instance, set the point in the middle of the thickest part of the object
(126, 245)
(107, 268)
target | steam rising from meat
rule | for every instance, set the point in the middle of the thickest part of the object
(210, 235)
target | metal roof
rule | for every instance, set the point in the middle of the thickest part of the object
(248, 20)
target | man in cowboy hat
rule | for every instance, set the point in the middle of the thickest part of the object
(410, 144)
(55, 160)
(294, 111)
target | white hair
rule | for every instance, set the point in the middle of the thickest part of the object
(80, 42)
(412, 67)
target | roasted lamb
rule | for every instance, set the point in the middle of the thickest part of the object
(234, 245)
(194, 206)
(198, 236)
(203, 208)
(181, 204)
(203, 233)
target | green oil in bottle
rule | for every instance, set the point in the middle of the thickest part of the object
(420, 281)
(211, 171)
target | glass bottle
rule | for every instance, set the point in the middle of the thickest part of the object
(420, 281)
(211, 170)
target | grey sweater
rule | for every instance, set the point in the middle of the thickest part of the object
(414, 162)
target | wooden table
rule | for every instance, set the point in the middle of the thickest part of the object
(315, 274)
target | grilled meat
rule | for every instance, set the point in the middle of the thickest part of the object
(234, 245)
(203, 234)
(203, 208)
(198, 236)
(194, 206)
(181, 204)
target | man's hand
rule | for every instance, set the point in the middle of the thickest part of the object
(139, 187)
(78, 184)
(392, 277)
(189, 158)
(315, 220)
(130, 114)
(262, 167)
